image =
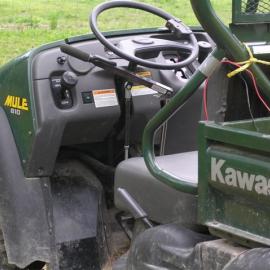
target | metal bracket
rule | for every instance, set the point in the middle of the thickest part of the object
(178, 28)
(111, 66)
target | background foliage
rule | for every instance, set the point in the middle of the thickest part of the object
(25, 24)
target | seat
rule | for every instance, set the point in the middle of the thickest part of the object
(162, 203)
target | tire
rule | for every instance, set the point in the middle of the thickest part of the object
(257, 258)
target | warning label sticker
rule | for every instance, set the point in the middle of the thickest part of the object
(105, 98)
(144, 73)
(140, 90)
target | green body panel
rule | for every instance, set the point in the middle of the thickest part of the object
(234, 199)
(251, 33)
(234, 49)
(250, 20)
(15, 81)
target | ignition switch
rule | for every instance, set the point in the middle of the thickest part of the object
(61, 88)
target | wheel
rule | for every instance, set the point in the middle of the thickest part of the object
(257, 258)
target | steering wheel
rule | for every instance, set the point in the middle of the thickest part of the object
(129, 49)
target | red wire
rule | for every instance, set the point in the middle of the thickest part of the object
(253, 81)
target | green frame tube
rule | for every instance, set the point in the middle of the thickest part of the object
(226, 40)
(227, 44)
(165, 114)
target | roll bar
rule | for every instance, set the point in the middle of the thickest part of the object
(227, 44)
(165, 114)
(226, 40)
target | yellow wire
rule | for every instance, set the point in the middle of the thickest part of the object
(246, 64)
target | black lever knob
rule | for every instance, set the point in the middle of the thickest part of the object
(69, 80)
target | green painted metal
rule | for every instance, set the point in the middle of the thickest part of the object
(234, 157)
(250, 11)
(234, 198)
(156, 122)
(225, 40)
(251, 33)
(230, 44)
(15, 81)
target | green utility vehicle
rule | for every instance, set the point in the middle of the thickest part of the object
(133, 150)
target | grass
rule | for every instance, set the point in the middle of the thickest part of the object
(25, 24)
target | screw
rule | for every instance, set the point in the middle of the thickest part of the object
(61, 60)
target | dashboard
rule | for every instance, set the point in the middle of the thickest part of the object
(88, 110)
(72, 103)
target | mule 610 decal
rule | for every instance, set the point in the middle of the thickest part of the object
(16, 104)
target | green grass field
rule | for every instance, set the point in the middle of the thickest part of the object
(25, 24)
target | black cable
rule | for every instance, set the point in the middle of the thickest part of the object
(249, 104)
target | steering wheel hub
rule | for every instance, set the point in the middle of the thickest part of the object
(143, 41)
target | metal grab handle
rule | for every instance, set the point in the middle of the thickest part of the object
(226, 40)
(165, 114)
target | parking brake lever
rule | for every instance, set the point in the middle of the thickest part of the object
(162, 90)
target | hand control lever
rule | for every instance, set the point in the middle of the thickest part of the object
(111, 66)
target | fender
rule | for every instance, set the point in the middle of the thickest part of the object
(24, 214)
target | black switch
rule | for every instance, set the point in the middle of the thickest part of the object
(87, 97)
(69, 80)
(62, 96)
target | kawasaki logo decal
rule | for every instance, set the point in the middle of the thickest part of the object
(239, 179)
(16, 104)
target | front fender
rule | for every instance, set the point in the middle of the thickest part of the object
(24, 211)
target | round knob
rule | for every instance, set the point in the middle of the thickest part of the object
(69, 79)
